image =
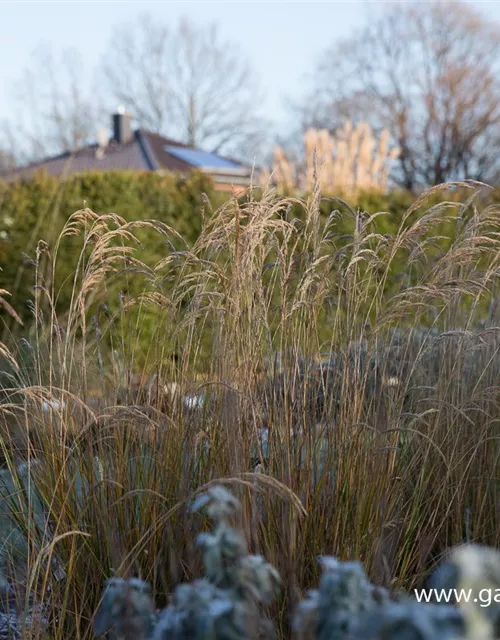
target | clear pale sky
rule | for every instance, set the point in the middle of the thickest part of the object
(281, 39)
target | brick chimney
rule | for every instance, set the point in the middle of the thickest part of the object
(122, 129)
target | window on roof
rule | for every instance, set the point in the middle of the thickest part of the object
(201, 159)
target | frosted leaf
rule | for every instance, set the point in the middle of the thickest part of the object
(221, 553)
(126, 608)
(219, 608)
(260, 578)
(410, 621)
(218, 503)
(329, 563)
(199, 611)
(306, 615)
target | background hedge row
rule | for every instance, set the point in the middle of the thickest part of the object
(37, 209)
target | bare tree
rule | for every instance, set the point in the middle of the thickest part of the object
(8, 153)
(54, 109)
(185, 82)
(7, 162)
(429, 73)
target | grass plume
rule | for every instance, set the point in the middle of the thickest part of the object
(352, 407)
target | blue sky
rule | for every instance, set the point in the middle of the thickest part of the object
(281, 39)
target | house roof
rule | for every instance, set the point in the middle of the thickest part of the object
(145, 151)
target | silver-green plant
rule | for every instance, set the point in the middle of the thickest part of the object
(348, 607)
(224, 605)
(344, 595)
(126, 610)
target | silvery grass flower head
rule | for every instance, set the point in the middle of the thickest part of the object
(126, 611)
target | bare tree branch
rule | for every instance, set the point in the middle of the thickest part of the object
(53, 111)
(429, 73)
(9, 156)
(185, 83)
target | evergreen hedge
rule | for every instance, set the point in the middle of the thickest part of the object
(37, 209)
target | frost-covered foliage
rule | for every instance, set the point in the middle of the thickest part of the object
(18, 623)
(127, 609)
(347, 607)
(225, 604)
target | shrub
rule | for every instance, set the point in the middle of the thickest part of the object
(377, 396)
(225, 604)
(39, 208)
